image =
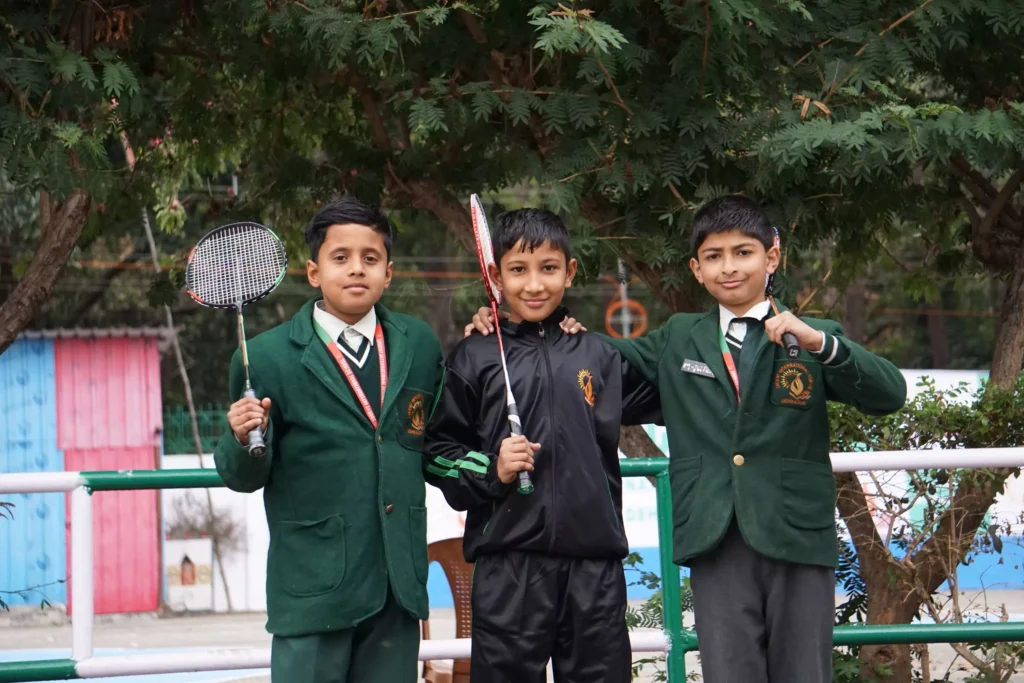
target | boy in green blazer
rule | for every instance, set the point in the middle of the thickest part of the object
(753, 497)
(346, 385)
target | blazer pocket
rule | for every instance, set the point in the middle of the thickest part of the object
(413, 407)
(418, 542)
(684, 473)
(808, 494)
(309, 557)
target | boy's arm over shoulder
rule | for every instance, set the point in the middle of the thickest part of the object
(644, 353)
(428, 350)
(239, 470)
(857, 377)
(641, 403)
(453, 459)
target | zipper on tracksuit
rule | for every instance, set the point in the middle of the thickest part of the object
(551, 454)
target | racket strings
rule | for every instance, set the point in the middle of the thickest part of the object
(239, 264)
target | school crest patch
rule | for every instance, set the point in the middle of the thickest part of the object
(586, 382)
(416, 414)
(793, 385)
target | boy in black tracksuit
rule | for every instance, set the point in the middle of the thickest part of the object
(548, 581)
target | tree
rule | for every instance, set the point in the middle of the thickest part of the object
(74, 76)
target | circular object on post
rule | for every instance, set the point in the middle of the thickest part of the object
(615, 316)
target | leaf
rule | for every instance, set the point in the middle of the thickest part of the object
(68, 133)
(119, 81)
(427, 116)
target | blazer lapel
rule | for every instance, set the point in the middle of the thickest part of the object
(318, 361)
(399, 357)
(705, 337)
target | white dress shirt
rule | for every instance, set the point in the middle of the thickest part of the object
(353, 335)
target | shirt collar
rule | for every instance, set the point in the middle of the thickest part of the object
(757, 311)
(334, 326)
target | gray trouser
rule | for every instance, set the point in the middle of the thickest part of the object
(761, 620)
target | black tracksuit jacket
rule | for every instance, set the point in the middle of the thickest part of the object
(573, 393)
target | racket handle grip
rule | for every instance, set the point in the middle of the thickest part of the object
(525, 482)
(791, 344)
(257, 447)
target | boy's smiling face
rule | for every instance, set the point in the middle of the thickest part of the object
(534, 281)
(732, 266)
(352, 270)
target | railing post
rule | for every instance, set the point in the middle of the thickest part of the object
(81, 574)
(671, 605)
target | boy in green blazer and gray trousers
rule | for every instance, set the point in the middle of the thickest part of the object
(346, 385)
(753, 497)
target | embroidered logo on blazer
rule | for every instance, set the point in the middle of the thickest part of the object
(586, 382)
(793, 384)
(416, 415)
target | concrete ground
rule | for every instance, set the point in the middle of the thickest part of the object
(25, 631)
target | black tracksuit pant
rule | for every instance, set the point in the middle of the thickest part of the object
(529, 608)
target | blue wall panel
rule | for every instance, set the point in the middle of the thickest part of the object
(32, 545)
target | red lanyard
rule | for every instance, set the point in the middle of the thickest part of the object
(346, 370)
(730, 364)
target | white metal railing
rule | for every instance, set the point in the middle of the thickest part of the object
(85, 665)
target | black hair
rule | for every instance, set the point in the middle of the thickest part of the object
(347, 211)
(534, 227)
(732, 212)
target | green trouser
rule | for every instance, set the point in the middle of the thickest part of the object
(383, 648)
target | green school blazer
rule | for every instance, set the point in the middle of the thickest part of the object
(345, 503)
(767, 459)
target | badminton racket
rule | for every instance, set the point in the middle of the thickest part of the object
(233, 266)
(485, 254)
(789, 341)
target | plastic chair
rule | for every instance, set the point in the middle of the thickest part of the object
(448, 554)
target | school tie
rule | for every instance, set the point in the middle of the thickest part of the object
(355, 343)
(736, 333)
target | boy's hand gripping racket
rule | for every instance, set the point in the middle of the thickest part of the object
(230, 267)
(485, 254)
(788, 339)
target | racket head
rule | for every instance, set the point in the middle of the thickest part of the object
(235, 265)
(484, 246)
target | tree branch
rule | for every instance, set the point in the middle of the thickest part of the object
(380, 131)
(635, 443)
(431, 195)
(611, 84)
(472, 25)
(894, 24)
(984, 240)
(984, 192)
(36, 287)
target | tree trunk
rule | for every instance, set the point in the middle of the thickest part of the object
(854, 305)
(55, 246)
(634, 443)
(938, 340)
(1009, 347)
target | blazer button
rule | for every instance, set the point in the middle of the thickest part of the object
(738, 460)
(380, 438)
(389, 509)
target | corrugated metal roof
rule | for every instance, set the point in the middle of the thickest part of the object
(94, 333)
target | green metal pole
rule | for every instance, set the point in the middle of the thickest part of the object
(671, 605)
(130, 480)
(999, 632)
(42, 670)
